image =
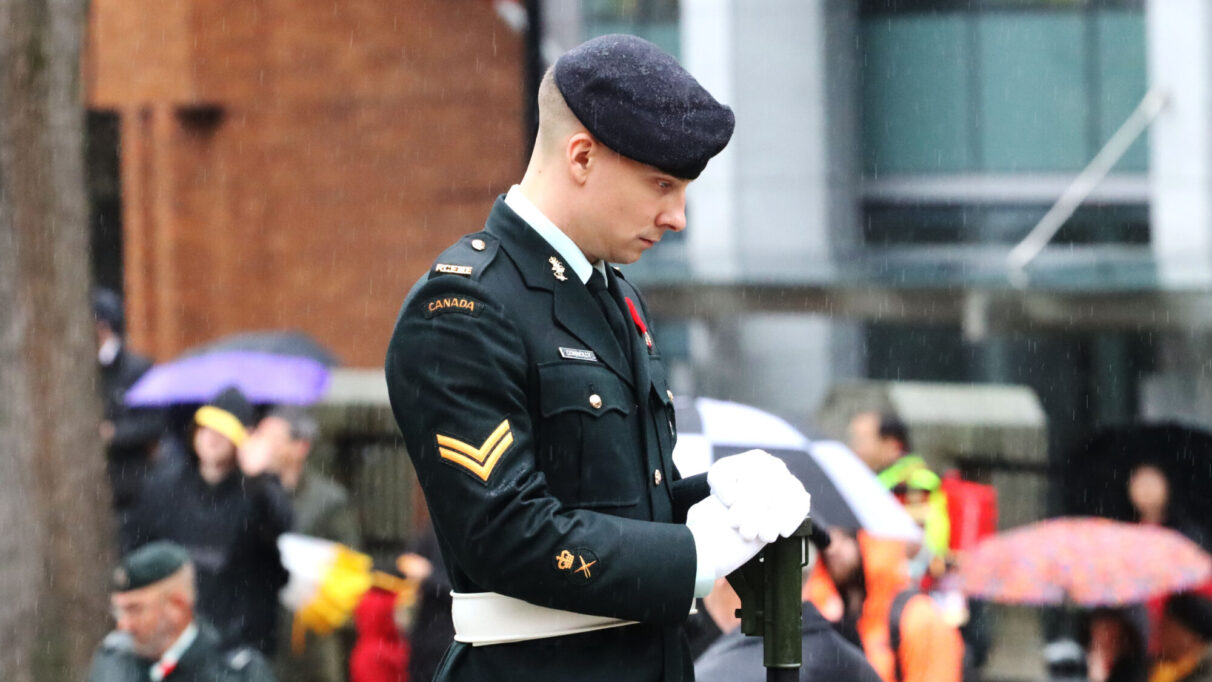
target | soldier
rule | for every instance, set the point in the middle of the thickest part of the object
(534, 401)
(158, 636)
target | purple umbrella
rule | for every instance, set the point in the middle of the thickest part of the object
(262, 377)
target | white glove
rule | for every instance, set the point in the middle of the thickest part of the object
(764, 499)
(721, 549)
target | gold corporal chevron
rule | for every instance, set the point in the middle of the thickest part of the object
(478, 460)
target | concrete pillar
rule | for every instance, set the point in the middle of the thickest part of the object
(1179, 35)
(562, 28)
(707, 52)
(781, 201)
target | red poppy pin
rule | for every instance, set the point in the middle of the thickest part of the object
(639, 322)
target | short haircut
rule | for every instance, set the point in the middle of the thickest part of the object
(184, 582)
(891, 426)
(555, 117)
(302, 425)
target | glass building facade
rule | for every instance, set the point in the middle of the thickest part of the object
(970, 118)
(998, 87)
(975, 116)
(1010, 98)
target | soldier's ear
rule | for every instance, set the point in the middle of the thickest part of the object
(579, 152)
(181, 603)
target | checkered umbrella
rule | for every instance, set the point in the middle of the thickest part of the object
(844, 491)
(1083, 561)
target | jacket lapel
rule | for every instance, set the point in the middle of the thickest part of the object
(193, 660)
(572, 305)
(577, 312)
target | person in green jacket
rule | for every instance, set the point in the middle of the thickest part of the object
(322, 509)
(158, 637)
(882, 442)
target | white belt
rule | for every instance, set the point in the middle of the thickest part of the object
(483, 618)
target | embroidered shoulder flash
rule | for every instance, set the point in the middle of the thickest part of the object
(467, 257)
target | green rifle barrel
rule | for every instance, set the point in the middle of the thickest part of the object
(769, 586)
(783, 638)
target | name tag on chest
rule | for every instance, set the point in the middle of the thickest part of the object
(578, 354)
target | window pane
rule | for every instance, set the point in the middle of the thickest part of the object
(1123, 80)
(915, 94)
(899, 225)
(879, 6)
(1033, 91)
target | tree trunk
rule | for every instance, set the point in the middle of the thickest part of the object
(54, 498)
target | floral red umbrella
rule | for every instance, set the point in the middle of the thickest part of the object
(1083, 561)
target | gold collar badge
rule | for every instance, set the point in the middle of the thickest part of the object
(557, 269)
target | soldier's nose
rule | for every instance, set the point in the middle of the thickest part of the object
(674, 218)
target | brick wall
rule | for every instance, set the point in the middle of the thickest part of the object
(299, 164)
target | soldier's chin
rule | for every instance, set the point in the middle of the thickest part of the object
(628, 257)
(147, 650)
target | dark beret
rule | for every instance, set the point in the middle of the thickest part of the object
(637, 100)
(149, 564)
(229, 413)
(1192, 611)
(107, 308)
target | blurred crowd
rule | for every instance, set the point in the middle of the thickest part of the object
(1165, 638)
(201, 504)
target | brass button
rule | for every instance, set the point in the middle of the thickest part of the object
(656, 477)
(670, 394)
(478, 244)
(595, 401)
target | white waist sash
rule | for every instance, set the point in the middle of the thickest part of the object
(483, 618)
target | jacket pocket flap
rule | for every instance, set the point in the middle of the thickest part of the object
(565, 387)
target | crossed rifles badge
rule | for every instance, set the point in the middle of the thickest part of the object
(577, 565)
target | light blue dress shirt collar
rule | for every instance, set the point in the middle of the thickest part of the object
(553, 235)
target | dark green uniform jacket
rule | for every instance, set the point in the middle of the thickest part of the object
(546, 457)
(203, 661)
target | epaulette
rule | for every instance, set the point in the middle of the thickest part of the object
(467, 257)
(118, 641)
(240, 658)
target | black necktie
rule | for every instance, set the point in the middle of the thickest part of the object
(610, 308)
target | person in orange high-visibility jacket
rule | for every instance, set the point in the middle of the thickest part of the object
(882, 442)
(864, 583)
